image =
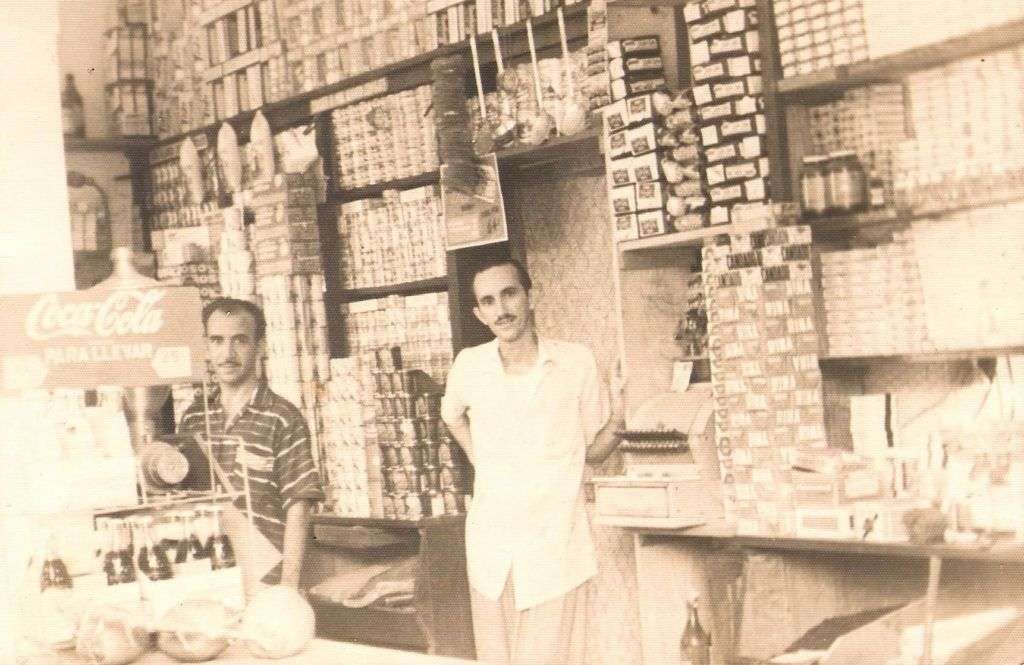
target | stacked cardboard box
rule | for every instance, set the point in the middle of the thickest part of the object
(385, 139)
(725, 68)
(763, 345)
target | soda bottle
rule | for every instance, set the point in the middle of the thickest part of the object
(695, 643)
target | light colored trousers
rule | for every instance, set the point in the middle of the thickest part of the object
(552, 633)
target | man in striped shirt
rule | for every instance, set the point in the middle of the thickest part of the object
(275, 449)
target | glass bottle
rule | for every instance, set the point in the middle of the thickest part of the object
(72, 109)
(813, 186)
(55, 573)
(695, 643)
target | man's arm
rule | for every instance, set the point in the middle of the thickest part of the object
(459, 429)
(605, 441)
(296, 532)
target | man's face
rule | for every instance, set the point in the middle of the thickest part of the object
(502, 303)
(232, 347)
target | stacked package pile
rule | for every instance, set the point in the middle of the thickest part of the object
(725, 67)
(967, 147)
(422, 471)
(234, 260)
(395, 239)
(870, 121)
(651, 157)
(873, 299)
(170, 205)
(420, 325)
(819, 34)
(285, 243)
(346, 424)
(597, 83)
(246, 66)
(765, 378)
(385, 139)
(177, 60)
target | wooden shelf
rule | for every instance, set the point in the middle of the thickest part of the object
(1008, 552)
(431, 285)
(376, 190)
(583, 148)
(923, 357)
(892, 67)
(690, 238)
(383, 522)
(112, 144)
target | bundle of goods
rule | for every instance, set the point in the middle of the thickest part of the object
(454, 137)
(346, 421)
(386, 138)
(868, 122)
(725, 67)
(177, 61)
(394, 239)
(873, 299)
(765, 378)
(654, 183)
(423, 472)
(531, 99)
(966, 148)
(276, 623)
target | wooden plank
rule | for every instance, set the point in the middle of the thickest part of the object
(431, 285)
(690, 238)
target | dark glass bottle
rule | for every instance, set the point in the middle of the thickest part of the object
(72, 109)
(695, 643)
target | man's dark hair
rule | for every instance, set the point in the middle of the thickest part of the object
(236, 306)
(494, 262)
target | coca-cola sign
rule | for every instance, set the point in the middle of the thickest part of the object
(130, 337)
(126, 312)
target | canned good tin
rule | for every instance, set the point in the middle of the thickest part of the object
(454, 502)
(431, 477)
(444, 453)
(413, 503)
(412, 455)
(430, 456)
(389, 455)
(390, 506)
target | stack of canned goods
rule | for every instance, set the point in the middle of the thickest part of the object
(424, 472)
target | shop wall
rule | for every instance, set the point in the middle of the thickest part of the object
(568, 246)
(81, 51)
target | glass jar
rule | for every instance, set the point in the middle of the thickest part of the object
(814, 186)
(847, 190)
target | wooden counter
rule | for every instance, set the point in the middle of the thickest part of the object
(318, 652)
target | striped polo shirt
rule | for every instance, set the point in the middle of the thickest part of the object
(277, 451)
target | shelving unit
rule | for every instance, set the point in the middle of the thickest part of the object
(407, 73)
(113, 144)
(892, 67)
(439, 620)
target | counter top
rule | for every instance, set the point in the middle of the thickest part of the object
(318, 651)
(1002, 552)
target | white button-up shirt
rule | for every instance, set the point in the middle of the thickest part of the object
(527, 516)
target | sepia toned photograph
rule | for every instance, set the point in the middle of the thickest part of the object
(515, 332)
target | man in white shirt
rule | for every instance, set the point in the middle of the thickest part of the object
(529, 412)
